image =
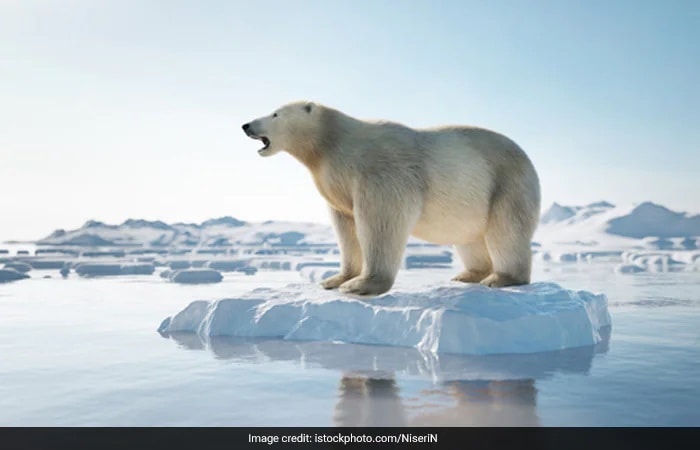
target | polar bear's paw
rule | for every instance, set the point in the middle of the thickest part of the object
(501, 280)
(470, 276)
(336, 280)
(373, 285)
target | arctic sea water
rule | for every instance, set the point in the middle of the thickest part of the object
(85, 352)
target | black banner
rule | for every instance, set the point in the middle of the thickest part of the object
(283, 438)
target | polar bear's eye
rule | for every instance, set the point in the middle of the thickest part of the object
(274, 115)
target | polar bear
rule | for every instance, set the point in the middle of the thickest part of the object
(456, 185)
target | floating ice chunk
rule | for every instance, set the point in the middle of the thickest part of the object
(105, 269)
(196, 276)
(565, 257)
(103, 254)
(417, 260)
(97, 269)
(18, 266)
(7, 275)
(656, 261)
(468, 319)
(630, 268)
(248, 270)
(176, 265)
(272, 264)
(138, 269)
(231, 265)
(46, 264)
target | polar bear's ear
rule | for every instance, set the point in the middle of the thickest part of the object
(308, 107)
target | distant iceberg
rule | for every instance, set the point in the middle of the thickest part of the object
(465, 319)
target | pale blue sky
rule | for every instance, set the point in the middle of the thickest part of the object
(117, 109)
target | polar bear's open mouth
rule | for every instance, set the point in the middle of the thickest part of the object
(264, 140)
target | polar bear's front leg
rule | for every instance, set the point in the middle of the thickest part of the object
(383, 222)
(350, 252)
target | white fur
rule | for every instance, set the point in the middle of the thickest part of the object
(383, 181)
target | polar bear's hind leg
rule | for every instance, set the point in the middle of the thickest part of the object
(477, 262)
(510, 229)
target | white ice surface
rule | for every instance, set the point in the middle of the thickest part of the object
(457, 318)
(316, 274)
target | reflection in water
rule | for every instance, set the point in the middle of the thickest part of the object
(367, 401)
(485, 403)
(465, 390)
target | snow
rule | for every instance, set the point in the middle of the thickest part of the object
(316, 274)
(466, 319)
(196, 276)
(557, 213)
(623, 227)
(7, 275)
(225, 231)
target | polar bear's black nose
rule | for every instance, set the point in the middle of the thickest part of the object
(246, 126)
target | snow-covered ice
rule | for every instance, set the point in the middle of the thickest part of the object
(316, 274)
(467, 319)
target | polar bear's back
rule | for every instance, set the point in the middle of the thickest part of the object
(467, 168)
(458, 172)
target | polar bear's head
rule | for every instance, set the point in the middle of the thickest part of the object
(285, 128)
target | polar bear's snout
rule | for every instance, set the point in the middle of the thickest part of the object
(251, 132)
